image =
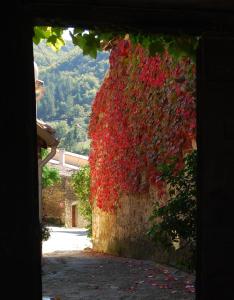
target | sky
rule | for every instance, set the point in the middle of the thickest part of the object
(66, 34)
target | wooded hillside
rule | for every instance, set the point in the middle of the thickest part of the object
(71, 81)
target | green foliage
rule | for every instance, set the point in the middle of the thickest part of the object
(45, 232)
(177, 46)
(82, 148)
(52, 35)
(175, 222)
(50, 176)
(95, 40)
(81, 184)
(71, 82)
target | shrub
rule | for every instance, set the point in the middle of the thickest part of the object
(176, 220)
(45, 232)
(81, 184)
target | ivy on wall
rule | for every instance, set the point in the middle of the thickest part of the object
(93, 40)
(143, 117)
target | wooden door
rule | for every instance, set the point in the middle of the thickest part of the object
(74, 215)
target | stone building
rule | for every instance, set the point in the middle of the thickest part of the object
(46, 138)
(59, 202)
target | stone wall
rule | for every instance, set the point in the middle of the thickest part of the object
(57, 202)
(53, 203)
(70, 200)
(125, 232)
(70, 158)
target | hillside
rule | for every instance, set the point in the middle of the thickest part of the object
(71, 81)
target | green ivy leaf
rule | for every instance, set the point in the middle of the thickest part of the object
(77, 40)
(57, 31)
(106, 36)
(156, 47)
(78, 30)
(90, 41)
(55, 42)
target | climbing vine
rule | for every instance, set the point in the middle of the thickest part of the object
(81, 184)
(142, 117)
(93, 40)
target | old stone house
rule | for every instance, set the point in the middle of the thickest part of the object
(45, 139)
(59, 202)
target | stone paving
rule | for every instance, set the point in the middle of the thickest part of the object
(76, 275)
(66, 239)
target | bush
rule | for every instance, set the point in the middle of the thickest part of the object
(45, 232)
(81, 184)
(176, 221)
(50, 176)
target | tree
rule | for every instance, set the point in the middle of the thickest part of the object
(71, 81)
(61, 129)
(81, 184)
(50, 176)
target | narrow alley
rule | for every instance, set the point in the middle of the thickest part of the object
(78, 272)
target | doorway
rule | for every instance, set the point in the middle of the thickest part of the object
(170, 17)
(74, 215)
(157, 67)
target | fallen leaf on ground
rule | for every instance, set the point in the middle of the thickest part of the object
(139, 282)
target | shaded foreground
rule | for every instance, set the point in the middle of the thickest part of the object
(74, 275)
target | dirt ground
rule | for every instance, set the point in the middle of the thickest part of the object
(75, 275)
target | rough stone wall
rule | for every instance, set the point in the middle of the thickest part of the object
(57, 202)
(125, 232)
(82, 223)
(53, 203)
(71, 199)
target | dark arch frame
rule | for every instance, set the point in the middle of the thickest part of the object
(20, 240)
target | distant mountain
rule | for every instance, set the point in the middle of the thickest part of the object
(71, 82)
